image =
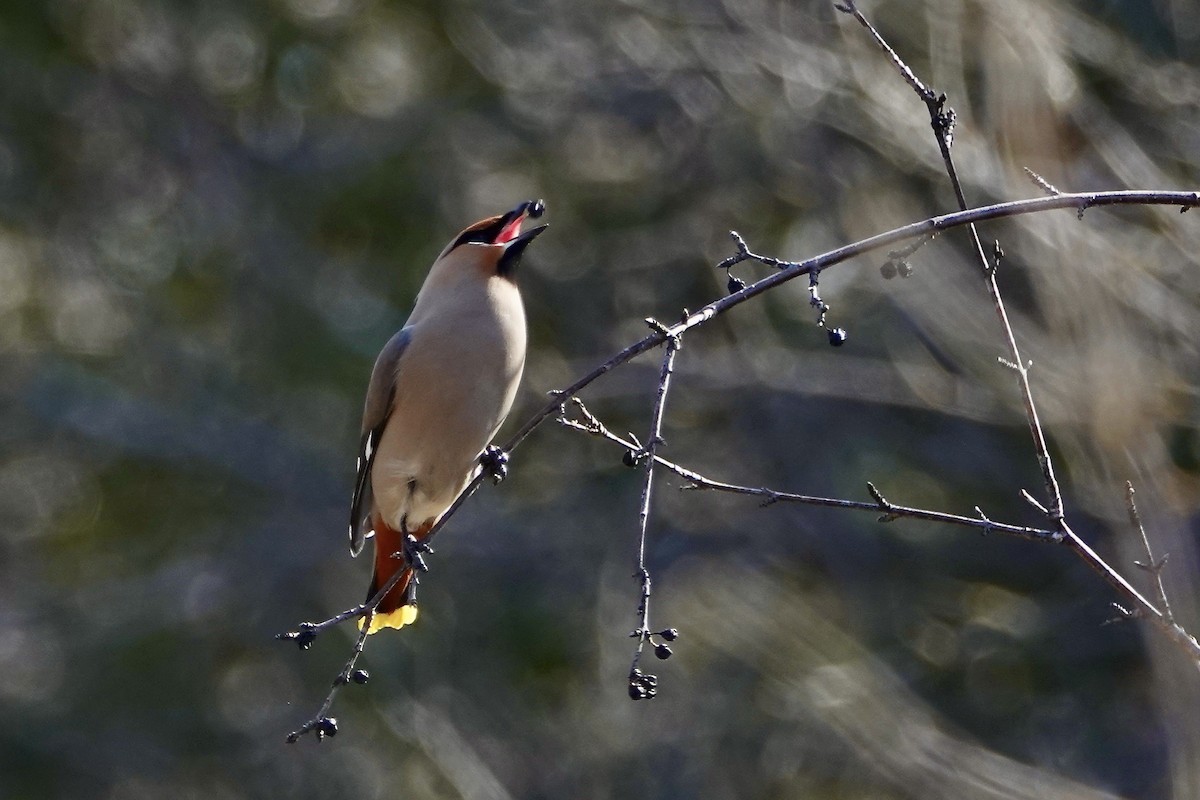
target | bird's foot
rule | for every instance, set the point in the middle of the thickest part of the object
(495, 463)
(414, 553)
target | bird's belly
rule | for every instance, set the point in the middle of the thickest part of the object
(406, 501)
(429, 448)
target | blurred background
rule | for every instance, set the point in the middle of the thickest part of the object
(212, 215)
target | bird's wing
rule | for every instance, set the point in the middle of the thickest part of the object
(378, 409)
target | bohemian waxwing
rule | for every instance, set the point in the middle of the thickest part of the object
(439, 391)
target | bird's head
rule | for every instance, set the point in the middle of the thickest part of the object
(500, 238)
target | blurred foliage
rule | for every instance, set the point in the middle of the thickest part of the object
(213, 214)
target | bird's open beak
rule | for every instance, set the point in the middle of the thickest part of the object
(510, 223)
(513, 239)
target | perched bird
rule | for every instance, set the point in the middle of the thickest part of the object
(439, 391)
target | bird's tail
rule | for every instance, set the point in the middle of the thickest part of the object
(399, 606)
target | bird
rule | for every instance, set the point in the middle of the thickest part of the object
(440, 389)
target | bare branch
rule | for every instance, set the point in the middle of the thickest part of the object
(942, 121)
(793, 269)
(696, 481)
(644, 686)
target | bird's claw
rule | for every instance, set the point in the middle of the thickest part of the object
(414, 551)
(495, 463)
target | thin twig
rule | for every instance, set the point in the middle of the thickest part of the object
(321, 722)
(744, 254)
(1154, 567)
(848, 7)
(908, 250)
(1045, 185)
(643, 686)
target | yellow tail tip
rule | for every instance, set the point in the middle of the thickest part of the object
(404, 615)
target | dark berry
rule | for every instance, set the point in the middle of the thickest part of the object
(837, 336)
(663, 652)
(735, 284)
(360, 676)
(888, 270)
